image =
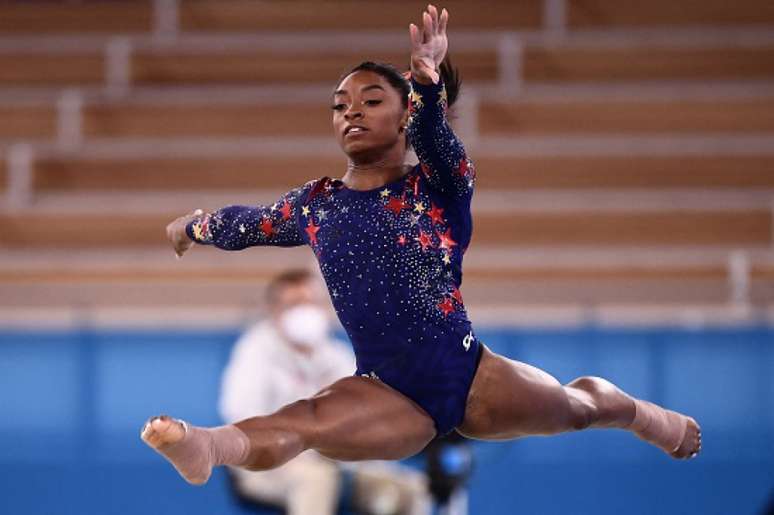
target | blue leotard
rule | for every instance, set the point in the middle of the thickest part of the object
(391, 258)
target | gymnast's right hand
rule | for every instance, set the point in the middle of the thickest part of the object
(176, 232)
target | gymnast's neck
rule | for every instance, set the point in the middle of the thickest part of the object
(370, 172)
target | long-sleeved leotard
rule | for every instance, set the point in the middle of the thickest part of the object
(391, 258)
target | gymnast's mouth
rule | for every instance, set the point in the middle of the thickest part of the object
(355, 129)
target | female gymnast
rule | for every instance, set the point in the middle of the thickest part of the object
(389, 239)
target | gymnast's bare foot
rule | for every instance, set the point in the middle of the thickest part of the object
(691, 445)
(189, 453)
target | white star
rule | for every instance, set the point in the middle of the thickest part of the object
(242, 228)
(322, 214)
(385, 193)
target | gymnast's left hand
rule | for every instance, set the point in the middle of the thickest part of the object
(428, 45)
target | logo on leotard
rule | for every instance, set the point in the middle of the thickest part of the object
(468, 341)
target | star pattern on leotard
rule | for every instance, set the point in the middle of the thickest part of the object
(285, 210)
(446, 306)
(446, 239)
(391, 257)
(436, 214)
(396, 205)
(267, 227)
(311, 231)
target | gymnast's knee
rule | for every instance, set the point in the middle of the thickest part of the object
(589, 384)
(585, 408)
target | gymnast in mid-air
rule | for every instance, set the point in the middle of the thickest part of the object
(390, 239)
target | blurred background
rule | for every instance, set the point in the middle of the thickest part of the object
(623, 228)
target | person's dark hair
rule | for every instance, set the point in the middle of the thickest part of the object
(292, 277)
(449, 75)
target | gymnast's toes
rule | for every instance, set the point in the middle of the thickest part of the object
(162, 431)
(691, 445)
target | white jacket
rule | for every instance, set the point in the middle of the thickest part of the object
(264, 373)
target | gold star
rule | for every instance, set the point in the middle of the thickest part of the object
(419, 207)
(305, 210)
(385, 193)
(416, 98)
(197, 230)
(444, 98)
(446, 259)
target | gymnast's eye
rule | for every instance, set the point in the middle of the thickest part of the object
(338, 107)
(373, 102)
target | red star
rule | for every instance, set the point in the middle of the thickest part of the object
(311, 231)
(413, 183)
(425, 169)
(464, 168)
(446, 306)
(285, 210)
(446, 239)
(424, 240)
(457, 295)
(319, 187)
(396, 205)
(267, 227)
(401, 240)
(435, 214)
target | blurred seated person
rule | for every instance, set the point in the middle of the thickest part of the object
(288, 356)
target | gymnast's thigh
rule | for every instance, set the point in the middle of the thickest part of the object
(358, 418)
(509, 399)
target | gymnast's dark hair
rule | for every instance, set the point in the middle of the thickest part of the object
(449, 75)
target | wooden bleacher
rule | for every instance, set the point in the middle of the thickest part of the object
(165, 66)
(619, 73)
(631, 13)
(27, 121)
(647, 62)
(139, 173)
(628, 116)
(58, 17)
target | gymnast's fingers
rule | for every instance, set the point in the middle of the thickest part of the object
(433, 17)
(444, 20)
(416, 36)
(427, 23)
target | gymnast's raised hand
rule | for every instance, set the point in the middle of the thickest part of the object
(429, 45)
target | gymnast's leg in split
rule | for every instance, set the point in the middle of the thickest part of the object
(354, 419)
(360, 418)
(510, 399)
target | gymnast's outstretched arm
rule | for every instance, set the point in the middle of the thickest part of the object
(239, 227)
(441, 154)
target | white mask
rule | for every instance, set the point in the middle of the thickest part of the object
(306, 324)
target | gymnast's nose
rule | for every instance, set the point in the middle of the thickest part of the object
(353, 113)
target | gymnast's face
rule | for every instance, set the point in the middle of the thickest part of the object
(368, 115)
